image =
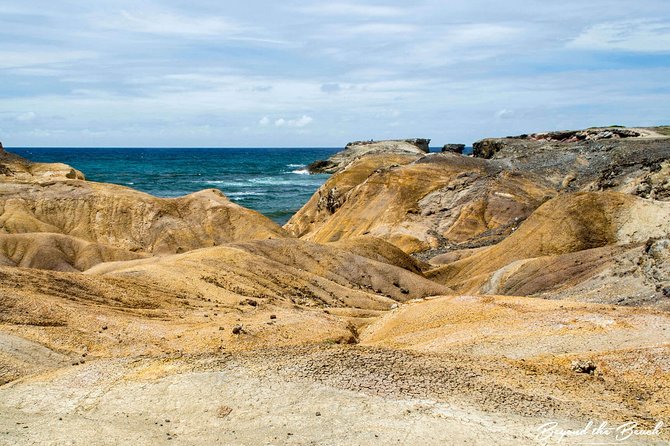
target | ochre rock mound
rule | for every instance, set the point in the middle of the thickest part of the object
(16, 168)
(51, 319)
(377, 249)
(57, 252)
(569, 223)
(127, 219)
(358, 149)
(333, 194)
(636, 275)
(614, 159)
(436, 200)
(239, 296)
(282, 270)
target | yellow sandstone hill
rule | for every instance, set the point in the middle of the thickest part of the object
(125, 218)
(565, 241)
(419, 204)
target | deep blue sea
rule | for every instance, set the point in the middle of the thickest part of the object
(270, 181)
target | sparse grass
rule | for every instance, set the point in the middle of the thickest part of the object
(607, 127)
(663, 130)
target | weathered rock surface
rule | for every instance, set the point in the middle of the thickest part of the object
(355, 150)
(292, 270)
(16, 168)
(454, 148)
(626, 160)
(422, 203)
(629, 347)
(566, 241)
(179, 303)
(127, 219)
(57, 252)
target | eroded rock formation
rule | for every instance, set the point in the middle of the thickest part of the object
(357, 149)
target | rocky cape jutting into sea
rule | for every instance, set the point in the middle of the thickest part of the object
(423, 298)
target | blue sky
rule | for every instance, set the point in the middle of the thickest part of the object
(299, 73)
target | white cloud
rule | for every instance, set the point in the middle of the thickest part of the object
(167, 22)
(505, 114)
(637, 36)
(264, 120)
(26, 117)
(36, 57)
(351, 9)
(381, 28)
(302, 121)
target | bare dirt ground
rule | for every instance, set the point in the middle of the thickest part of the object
(320, 395)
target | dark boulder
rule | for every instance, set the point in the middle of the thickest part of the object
(454, 148)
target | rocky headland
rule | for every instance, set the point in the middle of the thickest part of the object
(416, 298)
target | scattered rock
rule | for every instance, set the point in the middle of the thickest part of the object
(583, 366)
(223, 411)
(237, 329)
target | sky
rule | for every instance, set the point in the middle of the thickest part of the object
(213, 73)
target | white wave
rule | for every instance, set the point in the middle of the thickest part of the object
(225, 183)
(301, 171)
(245, 194)
(272, 181)
(295, 165)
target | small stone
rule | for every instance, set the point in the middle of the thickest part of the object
(583, 366)
(223, 411)
(318, 414)
(273, 316)
(237, 329)
(104, 327)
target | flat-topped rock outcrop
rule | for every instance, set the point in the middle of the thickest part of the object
(620, 159)
(357, 149)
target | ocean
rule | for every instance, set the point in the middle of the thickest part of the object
(270, 181)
